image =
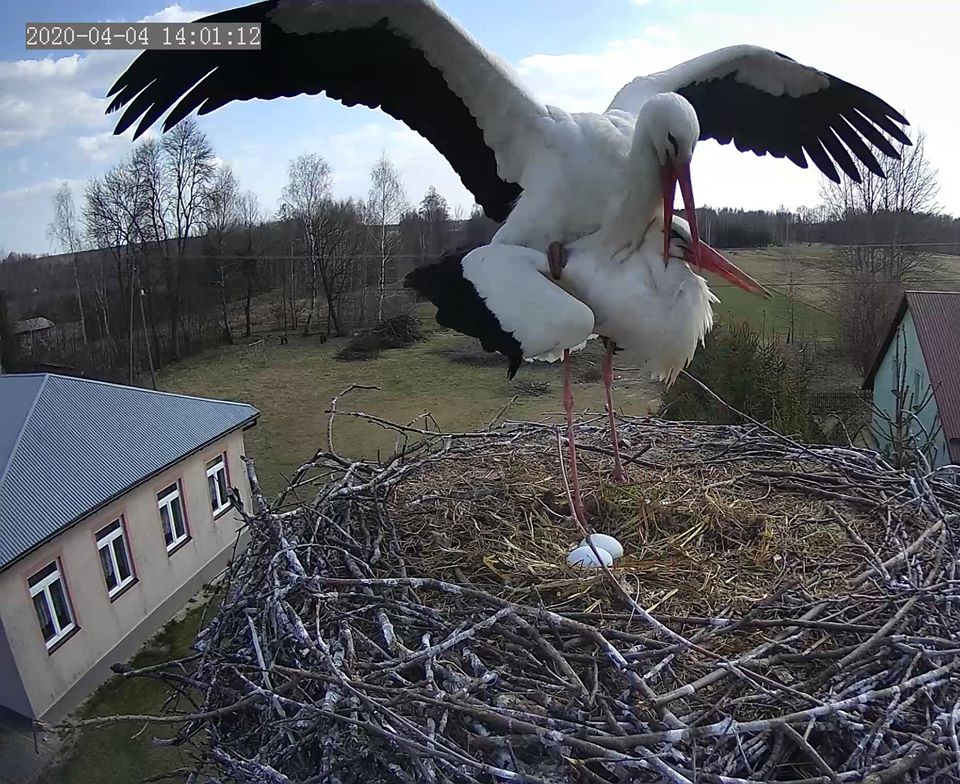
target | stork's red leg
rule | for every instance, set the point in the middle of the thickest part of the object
(618, 475)
(556, 258)
(577, 504)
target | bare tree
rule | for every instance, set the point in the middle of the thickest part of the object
(880, 252)
(879, 214)
(343, 244)
(249, 220)
(435, 227)
(152, 214)
(222, 216)
(902, 432)
(306, 198)
(66, 231)
(479, 229)
(386, 202)
(112, 220)
(9, 346)
(190, 167)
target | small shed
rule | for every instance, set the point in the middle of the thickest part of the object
(32, 332)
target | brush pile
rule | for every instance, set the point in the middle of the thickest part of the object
(784, 613)
(394, 332)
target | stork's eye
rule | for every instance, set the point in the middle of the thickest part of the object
(673, 141)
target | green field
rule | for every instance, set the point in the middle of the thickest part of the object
(800, 280)
(806, 274)
(124, 753)
(292, 387)
(776, 315)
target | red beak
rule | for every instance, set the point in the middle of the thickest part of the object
(668, 182)
(670, 175)
(711, 260)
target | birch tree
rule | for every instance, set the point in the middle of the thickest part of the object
(66, 231)
(306, 199)
(386, 202)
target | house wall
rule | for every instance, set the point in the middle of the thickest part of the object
(111, 630)
(885, 393)
(12, 693)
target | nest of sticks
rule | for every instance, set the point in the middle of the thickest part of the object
(784, 613)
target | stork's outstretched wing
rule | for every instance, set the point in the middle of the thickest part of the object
(406, 57)
(766, 102)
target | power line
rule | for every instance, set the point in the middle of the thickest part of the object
(785, 249)
(827, 283)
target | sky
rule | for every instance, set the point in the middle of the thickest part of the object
(574, 54)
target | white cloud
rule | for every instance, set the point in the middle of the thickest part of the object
(39, 97)
(586, 81)
(44, 188)
(105, 146)
(661, 33)
(351, 155)
(175, 13)
(58, 95)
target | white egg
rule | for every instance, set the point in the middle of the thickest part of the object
(585, 558)
(608, 543)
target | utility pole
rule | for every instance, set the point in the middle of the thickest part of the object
(146, 339)
(132, 267)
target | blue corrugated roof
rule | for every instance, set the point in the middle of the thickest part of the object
(69, 445)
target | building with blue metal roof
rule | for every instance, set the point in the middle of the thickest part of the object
(115, 506)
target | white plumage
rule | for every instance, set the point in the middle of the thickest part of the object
(514, 284)
(656, 313)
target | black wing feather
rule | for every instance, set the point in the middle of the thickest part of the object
(372, 66)
(460, 307)
(816, 125)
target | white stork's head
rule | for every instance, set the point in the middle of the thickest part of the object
(669, 124)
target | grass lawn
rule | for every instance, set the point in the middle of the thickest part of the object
(292, 386)
(799, 278)
(123, 753)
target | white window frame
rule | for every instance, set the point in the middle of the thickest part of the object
(43, 587)
(214, 467)
(167, 501)
(109, 543)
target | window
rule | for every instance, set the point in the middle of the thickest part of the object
(114, 557)
(171, 516)
(217, 483)
(50, 601)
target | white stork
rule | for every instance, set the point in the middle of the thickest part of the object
(550, 175)
(612, 285)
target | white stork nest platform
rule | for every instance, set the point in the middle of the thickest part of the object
(784, 613)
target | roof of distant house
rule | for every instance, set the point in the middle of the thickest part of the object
(68, 446)
(32, 325)
(936, 315)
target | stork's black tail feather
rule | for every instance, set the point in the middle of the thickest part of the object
(460, 307)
